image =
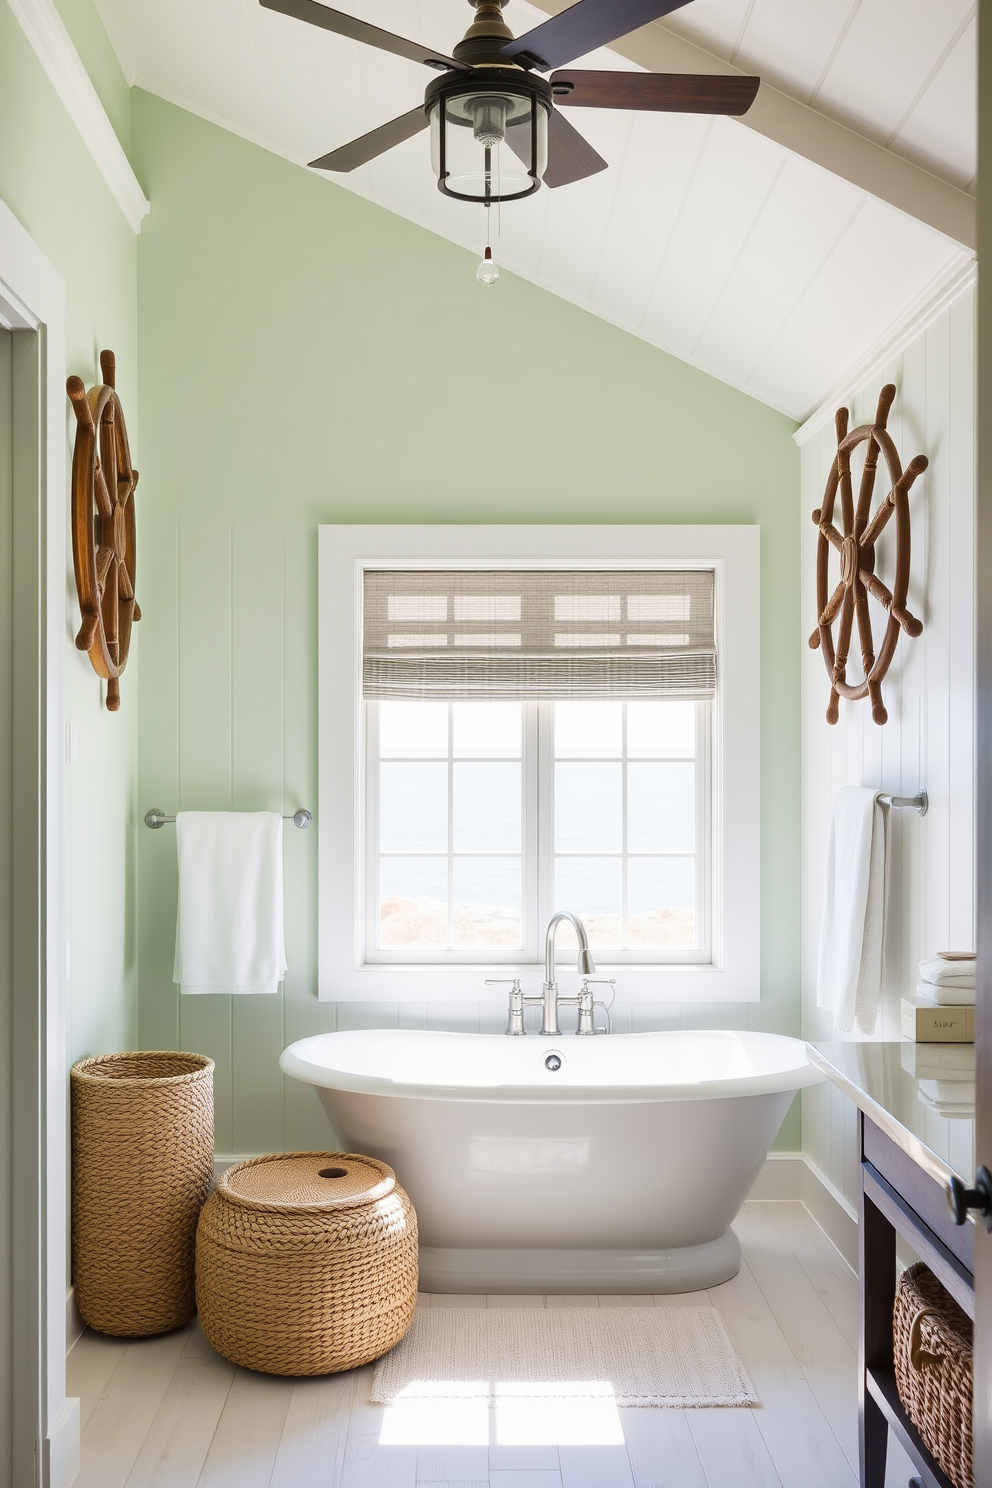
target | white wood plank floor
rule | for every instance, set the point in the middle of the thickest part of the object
(170, 1413)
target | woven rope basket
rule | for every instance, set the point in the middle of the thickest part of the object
(142, 1165)
(932, 1346)
(306, 1262)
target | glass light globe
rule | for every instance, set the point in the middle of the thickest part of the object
(487, 272)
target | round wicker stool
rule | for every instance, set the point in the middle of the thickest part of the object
(306, 1262)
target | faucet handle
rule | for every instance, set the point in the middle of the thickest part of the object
(587, 1004)
(512, 982)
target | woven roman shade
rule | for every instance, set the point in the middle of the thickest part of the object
(561, 633)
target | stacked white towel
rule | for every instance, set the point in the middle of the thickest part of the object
(849, 973)
(949, 983)
(229, 927)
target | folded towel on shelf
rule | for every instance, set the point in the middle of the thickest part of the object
(953, 996)
(229, 926)
(849, 971)
(941, 973)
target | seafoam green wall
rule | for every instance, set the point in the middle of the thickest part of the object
(50, 183)
(306, 357)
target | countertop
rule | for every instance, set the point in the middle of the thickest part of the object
(920, 1095)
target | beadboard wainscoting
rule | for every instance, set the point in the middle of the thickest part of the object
(928, 741)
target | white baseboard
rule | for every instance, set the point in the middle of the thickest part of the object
(780, 1178)
(225, 1160)
(832, 1212)
(791, 1175)
(74, 1325)
(61, 1461)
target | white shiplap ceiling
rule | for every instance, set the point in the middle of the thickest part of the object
(705, 237)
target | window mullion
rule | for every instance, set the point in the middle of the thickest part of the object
(546, 824)
(623, 830)
(530, 867)
(451, 827)
(369, 871)
(704, 826)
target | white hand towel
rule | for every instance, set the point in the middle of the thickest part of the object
(948, 973)
(954, 996)
(229, 927)
(849, 974)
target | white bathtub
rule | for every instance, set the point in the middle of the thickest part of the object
(619, 1171)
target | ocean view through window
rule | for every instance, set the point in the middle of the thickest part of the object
(455, 865)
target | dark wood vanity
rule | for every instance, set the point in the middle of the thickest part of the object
(910, 1144)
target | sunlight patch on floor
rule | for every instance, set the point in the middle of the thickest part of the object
(579, 1414)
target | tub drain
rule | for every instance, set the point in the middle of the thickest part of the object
(553, 1062)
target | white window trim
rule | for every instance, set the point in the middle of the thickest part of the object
(344, 552)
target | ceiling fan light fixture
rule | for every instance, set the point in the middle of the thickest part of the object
(489, 134)
(489, 120)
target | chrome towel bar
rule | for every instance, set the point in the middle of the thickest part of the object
(919, 802)
(156, 818)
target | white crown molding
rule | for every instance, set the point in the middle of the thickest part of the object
(45, 30)
(933, 302)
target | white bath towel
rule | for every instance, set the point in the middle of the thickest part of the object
(849, 974)
(943, 973)
(229, 926)
(953, 996)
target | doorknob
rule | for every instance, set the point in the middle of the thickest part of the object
(960, 1199)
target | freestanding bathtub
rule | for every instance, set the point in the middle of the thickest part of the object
(610, 1164)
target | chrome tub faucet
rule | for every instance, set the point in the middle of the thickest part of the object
(550, 999)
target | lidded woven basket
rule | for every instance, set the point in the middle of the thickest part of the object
(142, 1165)
(932, 1353)
(306, 1262)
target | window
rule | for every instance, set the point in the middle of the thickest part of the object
(482, 817)
(493, 747)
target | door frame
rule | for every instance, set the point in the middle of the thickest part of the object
(44, 1423)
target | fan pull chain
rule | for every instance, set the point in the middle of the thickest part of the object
(487, 273)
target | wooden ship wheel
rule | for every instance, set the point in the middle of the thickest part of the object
(854, 542)
(103, 529)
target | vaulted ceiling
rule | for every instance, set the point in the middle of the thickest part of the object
(774, 252)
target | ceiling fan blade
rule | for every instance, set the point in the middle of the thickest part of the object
(349, 157)
(345, 25)
(582, 28)
(663, 92)
(570, 156)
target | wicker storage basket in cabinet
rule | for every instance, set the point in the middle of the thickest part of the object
(142, 1165)
(932, 1348)
(306, 1262)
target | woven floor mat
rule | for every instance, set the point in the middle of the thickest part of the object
(651, 1356)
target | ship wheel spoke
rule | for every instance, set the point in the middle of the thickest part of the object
(879, 522)
(832, 535)
(864, 626)
(104, 558)
(125, 588)
(867, 482)
(102, 495)
(844, 637)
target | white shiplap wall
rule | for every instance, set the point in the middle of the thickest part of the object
(928, 740)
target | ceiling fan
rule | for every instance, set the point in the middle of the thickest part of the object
(490, 93)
